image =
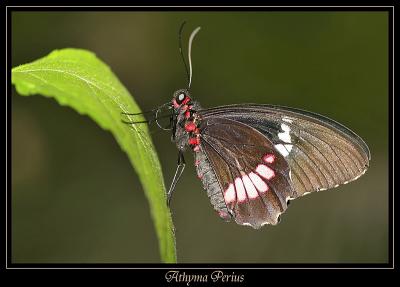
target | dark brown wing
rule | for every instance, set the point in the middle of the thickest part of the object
(253, 176)
(320, 152)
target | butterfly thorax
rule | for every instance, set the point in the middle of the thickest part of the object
(186, 132)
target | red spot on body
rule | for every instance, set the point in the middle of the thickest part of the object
(194, 141)
(269, 158)
(196, 163)
(196, 148)
(190, 126)
(186, 100)
(187, 114)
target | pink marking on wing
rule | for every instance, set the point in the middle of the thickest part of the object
(229, 195)
(250, 189)
(258, 182)
(240, 191)
(265, 171)
(269, 158)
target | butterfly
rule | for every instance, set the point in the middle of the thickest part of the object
(253, 159)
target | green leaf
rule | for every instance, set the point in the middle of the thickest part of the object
(78, 79)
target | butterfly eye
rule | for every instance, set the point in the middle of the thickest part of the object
(180, 98)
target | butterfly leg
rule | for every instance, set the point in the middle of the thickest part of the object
(177, 176)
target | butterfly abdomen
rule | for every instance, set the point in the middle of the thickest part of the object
(207, 175)
(188, 134)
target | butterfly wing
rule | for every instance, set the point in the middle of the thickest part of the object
(319, 152)
(253, 177)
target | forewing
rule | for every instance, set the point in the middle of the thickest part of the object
(253, 176)
(320, 152)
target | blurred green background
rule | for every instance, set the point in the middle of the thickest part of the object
(75, 197)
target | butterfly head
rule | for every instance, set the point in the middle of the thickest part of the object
(181, 99)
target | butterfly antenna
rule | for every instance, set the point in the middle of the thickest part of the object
(190, 54)
(181, 52)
